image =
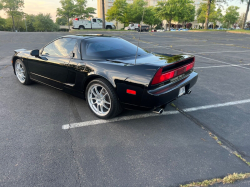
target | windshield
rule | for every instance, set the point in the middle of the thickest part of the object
(109, 48)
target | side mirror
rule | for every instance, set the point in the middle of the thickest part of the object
(35, 53)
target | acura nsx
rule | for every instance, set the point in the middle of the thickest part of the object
(109, 72)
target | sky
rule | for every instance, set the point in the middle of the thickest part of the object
(50, 6)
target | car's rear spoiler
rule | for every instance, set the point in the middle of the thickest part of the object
(19, 50)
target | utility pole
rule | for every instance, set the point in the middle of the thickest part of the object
(103, 15)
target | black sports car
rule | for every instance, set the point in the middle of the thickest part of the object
(110, 73)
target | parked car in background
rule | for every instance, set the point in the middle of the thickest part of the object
(133, 26)
(143, 28)
(181, 29)
(161, 30)
(94, 23)
(247, 28)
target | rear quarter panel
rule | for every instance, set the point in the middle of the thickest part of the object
(123, 77)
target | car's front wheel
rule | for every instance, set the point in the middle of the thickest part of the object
(21, 72)
(102, 99)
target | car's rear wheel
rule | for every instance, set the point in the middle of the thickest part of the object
(21, 72)
(102, 99)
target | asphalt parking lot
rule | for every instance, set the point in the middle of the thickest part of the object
(50, 138)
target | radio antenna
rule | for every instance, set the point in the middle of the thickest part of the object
(139, 36)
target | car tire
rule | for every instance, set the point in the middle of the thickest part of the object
(108, 27)
(81, 28)
(21, 72)
(102, 99)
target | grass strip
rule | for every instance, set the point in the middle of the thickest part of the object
(229, 179)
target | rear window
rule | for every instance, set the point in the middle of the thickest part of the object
(109, 48)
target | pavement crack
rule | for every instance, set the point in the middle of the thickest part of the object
(78, 181)
(74, 110)
(219, 139)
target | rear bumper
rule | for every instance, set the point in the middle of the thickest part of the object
(161, 96)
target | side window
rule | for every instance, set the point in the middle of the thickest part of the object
(94, 20)
(60, 48)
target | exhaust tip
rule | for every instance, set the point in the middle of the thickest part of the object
(158, 110)
(189, 91)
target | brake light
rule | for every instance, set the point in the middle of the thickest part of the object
(161, 77)
(77, 19)
(131, 92)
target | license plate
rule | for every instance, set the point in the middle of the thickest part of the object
(182, 91)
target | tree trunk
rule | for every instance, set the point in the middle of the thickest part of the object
(207, 14)
(13, 22)
(103, 15)
(116, 25)
(68, 24)
(244, 23)
(169, 24)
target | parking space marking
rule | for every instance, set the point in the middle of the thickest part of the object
(124, 118)
(220, 61)
(224, 52)
(139, 116)
(221, 66)
(155, 46)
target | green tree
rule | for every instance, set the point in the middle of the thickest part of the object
(118, 12)
(2, 23)
(81, 10)
(44, 23)
(208, 4)
(30, 20)
(171, 10)
(214, 15)
(201, 14)
(247, 10)
(135, 10)
(61, 21)
(150, 18)
(231, 16)
(241, 20)
(67, 10)
(186, 13)
(12, 8)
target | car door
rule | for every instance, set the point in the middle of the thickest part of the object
(94, 24)
(99, 23)
(51, 67)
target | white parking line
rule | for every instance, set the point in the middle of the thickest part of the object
(221, 66)
(223, 52)
(219, 61)
(139, 116)
(124, 118)
(210, 58)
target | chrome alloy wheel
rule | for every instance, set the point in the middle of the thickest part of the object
(99, 100)
(20, 72)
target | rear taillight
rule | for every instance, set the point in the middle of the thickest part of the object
(161, 77)
(76, 19)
